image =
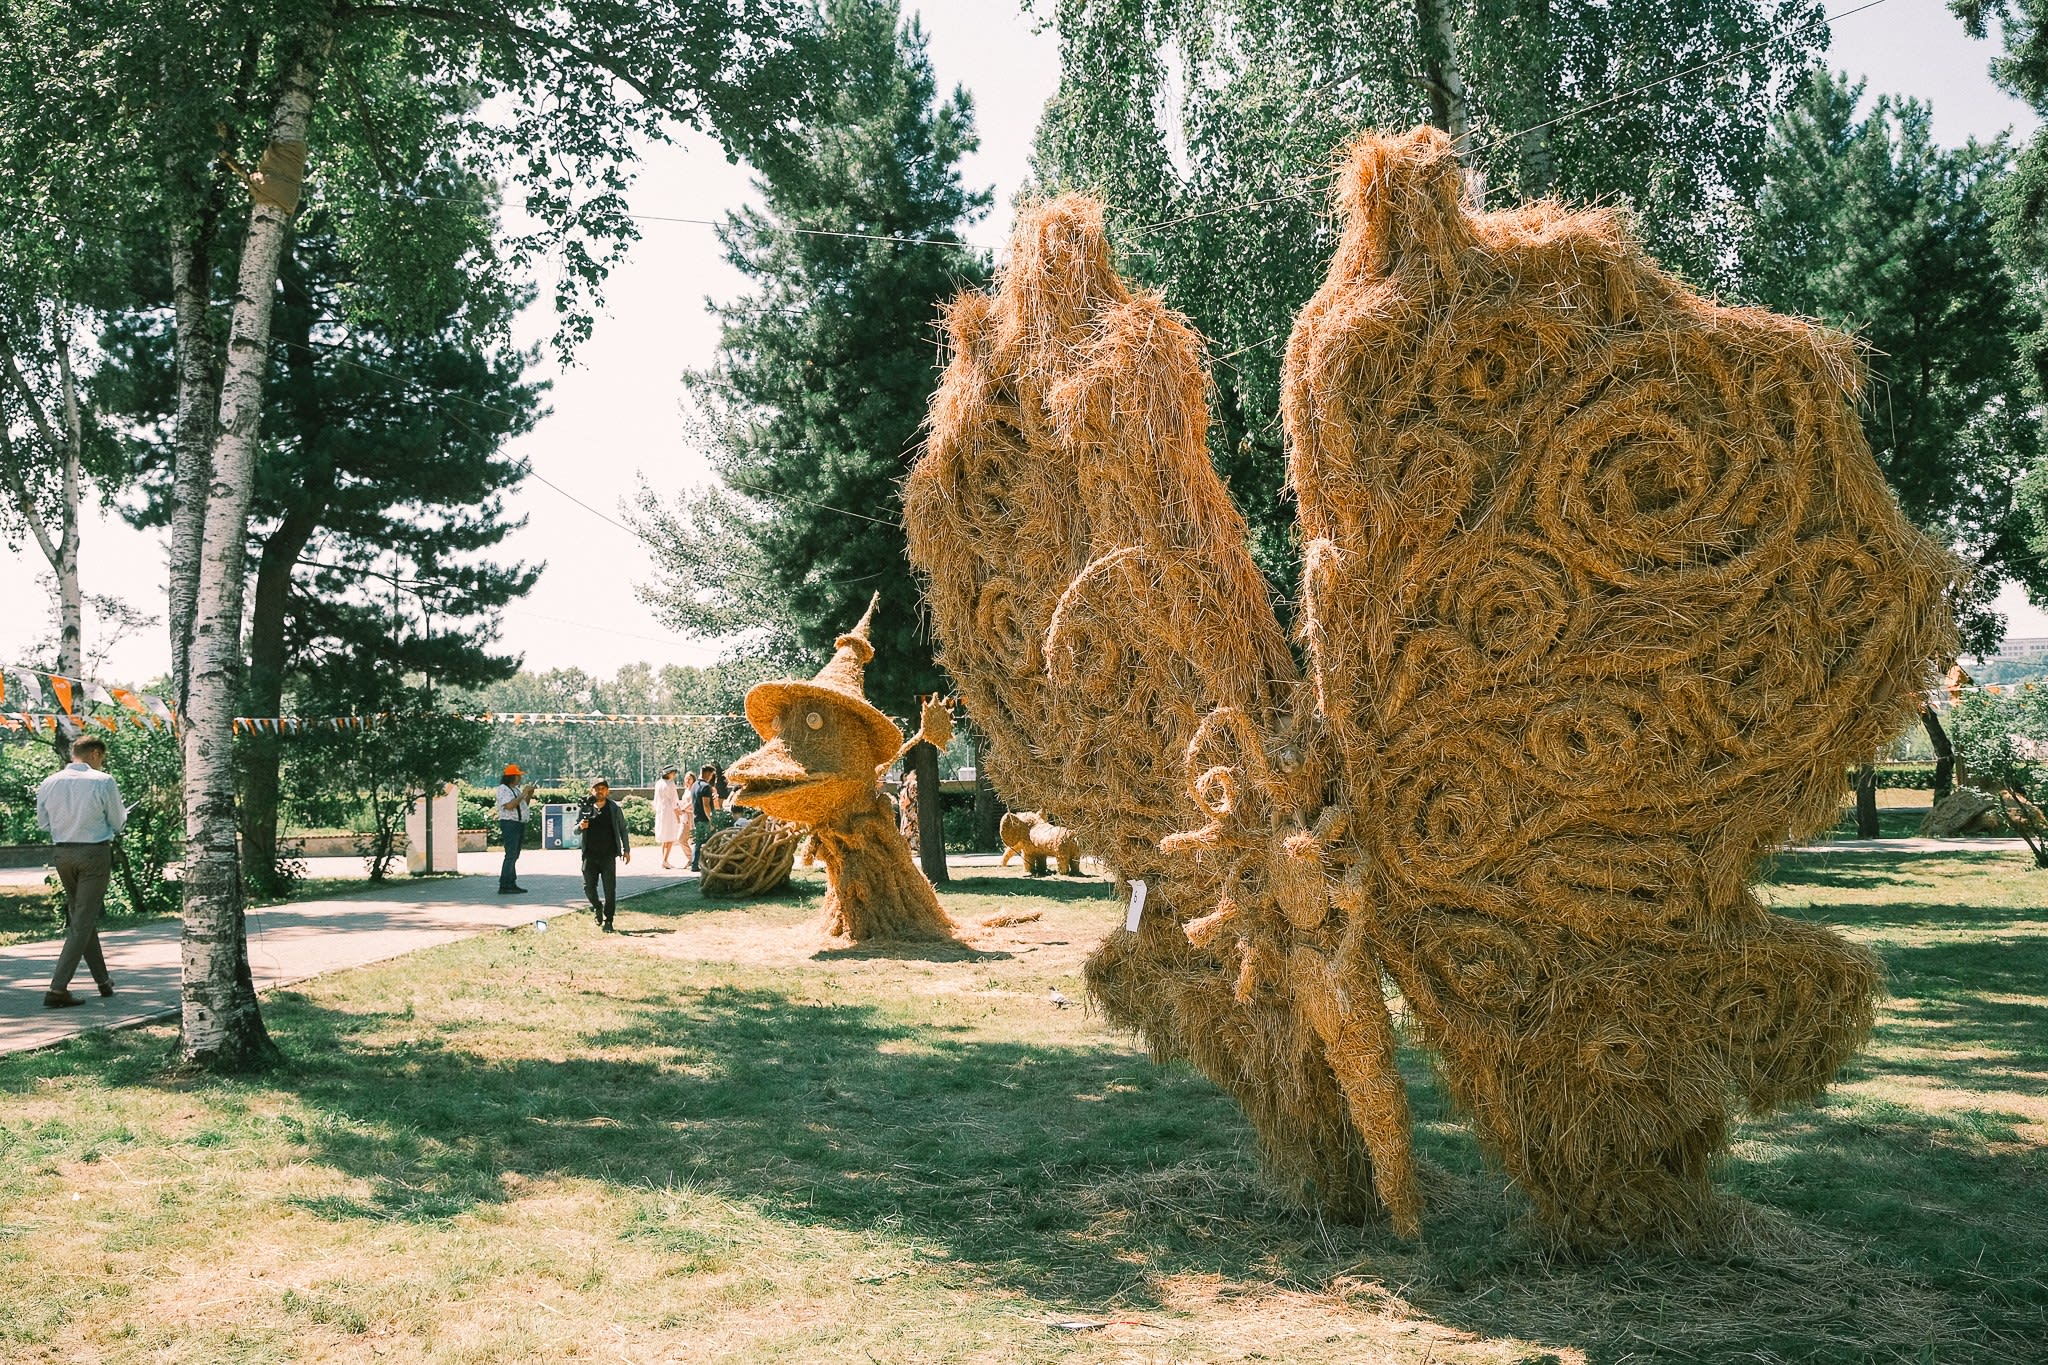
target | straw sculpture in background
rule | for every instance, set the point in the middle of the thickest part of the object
(752, 858)
(1038, 842)
(821, 768)
(1603, 594)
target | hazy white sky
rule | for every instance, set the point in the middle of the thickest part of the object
(617, 417)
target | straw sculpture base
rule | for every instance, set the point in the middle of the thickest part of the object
(1040, 843)
(750, 859)
(874, 892)
(1602, 595)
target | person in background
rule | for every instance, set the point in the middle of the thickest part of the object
(605, 845)
(80, 807)
(703, 801)
(514, 804)
(685, 789)
(668, 813)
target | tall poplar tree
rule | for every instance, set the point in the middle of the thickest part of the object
(1210, 127)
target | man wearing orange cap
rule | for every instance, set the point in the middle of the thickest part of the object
(514, 801)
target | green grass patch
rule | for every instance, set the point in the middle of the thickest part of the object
(710, 1138)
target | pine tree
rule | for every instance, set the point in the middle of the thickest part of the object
(1870, 226)
(815, 407)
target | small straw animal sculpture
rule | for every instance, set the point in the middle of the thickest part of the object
(1603, 594)
(1038, 843)
(749, 859)
(820, 768)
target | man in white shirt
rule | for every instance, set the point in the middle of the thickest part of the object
(513, 803)
(80, 807)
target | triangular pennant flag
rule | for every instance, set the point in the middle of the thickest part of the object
(26, 684)
(72, 729)
(96, 693)
(62, 687)
(112, 724)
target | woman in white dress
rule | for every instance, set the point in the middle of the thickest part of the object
(668, 813)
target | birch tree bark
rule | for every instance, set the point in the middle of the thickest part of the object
(197, 357)
(222, 1025)
(63, 440)
(191, 439)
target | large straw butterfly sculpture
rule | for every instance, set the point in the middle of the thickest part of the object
(1603, 592)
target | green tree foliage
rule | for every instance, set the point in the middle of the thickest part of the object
(1870, 226)
(573, 754)
(813, 411)
(382, 770)
(2003, 744)
(380, 493)
(24, 763)
(151, 771)
(1210, 127)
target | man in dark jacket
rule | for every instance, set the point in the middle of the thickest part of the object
(604, 846)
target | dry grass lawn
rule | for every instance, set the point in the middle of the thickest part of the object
(705, 1139)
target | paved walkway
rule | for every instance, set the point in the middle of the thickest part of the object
(289, 943)
(1913, 844)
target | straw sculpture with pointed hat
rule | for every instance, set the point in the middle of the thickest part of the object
(821, 767)
(1603, 592)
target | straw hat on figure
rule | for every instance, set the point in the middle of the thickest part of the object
(821, 766)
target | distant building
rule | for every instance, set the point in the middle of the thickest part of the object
(2031, 649)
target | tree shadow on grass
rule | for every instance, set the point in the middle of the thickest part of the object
(686, 898)
(1037, 888)
(1879, 867)
(1089, 1178)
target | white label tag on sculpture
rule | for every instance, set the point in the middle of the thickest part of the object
(1137, 906)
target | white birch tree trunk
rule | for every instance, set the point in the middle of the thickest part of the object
(191, 443)
(64, 440)
(222, 1025)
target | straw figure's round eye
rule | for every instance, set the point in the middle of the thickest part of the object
(815, 721)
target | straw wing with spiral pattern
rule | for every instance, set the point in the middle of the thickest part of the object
(1603, 592)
